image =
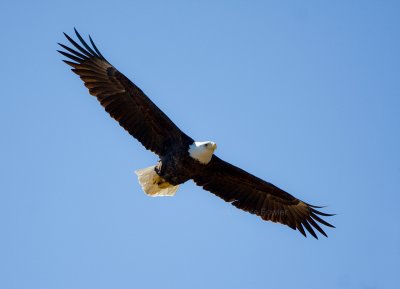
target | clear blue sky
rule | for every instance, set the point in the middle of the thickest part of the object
(304, 94)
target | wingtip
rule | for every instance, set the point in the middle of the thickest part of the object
(314, 206)
(77, 33)
(301, 229)
(310, 229)
(70, 63)
(316, 226)
(321, 213)
(96, 49)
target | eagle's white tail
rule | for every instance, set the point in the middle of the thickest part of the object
(154, 185)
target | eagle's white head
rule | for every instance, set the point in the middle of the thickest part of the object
(202, 151)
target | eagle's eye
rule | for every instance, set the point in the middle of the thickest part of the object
(206, 145)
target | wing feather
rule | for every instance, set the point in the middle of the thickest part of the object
(259, 197)
(122, 99)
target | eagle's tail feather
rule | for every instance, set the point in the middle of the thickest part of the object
(153, 185)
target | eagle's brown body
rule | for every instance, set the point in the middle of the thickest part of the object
(177, 168)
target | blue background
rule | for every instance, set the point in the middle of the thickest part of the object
(304, 94)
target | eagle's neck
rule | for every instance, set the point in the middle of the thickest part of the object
(202, 151)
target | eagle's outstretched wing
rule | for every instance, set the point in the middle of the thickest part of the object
(122, 99)
(259, 197)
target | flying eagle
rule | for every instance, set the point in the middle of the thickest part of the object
(182, 158)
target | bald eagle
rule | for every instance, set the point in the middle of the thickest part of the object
(182, 158)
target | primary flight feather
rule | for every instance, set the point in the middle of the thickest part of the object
(182, 158)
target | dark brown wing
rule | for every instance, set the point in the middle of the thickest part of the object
(258, 197)
(123, 100)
